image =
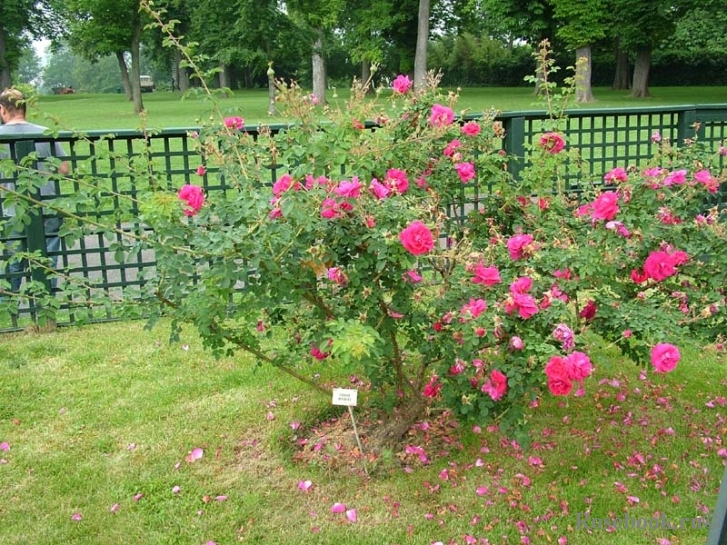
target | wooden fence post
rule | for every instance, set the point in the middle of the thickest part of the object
(718, 527)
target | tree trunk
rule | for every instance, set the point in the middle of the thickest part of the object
(271, 91)
(621, 75)
(182, 75)
(640, 87)
(584, 90)
(319, 69)
(420, 56)
(366, 73)
(224, 77)
(539, 79)
(136, 68)
(5, 80)
(124, 75)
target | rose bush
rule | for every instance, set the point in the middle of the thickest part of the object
(341, 238)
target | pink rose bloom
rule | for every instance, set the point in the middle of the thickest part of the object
(579, 366)
(465, 171)
(337, 275)
(413, 276)
(283, 184)
(401, 84)
(417, 238)
(471, 128)
(589, 311)
(664, 357)
(559, 381)
(521, 285)
(707, 180)
(656, 137)
(523, 303)
(605, 207)
(661, 265)
(432, 388)
(552, 142)
(397, 179)
(441, 116)
(234, 122)
(379, 190)
(616, 175)
(677, 177)
(458, 367)
(496, 385)
(330, 209)
(619, 228)
(489, 276)
(317, 353)
(565, 335)
(201, 170)
(313, 99)
(517, 246)
(474, 308)
(193, 196)
(451, 147)
(349, 189)
(516, 343)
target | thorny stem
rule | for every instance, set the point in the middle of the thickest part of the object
(226, 335)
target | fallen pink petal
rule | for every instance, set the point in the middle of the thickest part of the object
(76, 517)
(221, 498)
(114, 508)
(176, 490)
(305, 486)
(352, 515)
(138, 497)
(4, 446)
(194, 455)
(338, 508)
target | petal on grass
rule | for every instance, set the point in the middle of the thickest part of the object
(114, 508)
(352, 515)
(4, 446)
(338, 508)
(194, 455)
(305, 486)
(76, 517)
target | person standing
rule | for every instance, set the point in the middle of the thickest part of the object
(13, 111)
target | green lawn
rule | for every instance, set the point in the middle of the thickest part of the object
(167, 109)
(93, 417)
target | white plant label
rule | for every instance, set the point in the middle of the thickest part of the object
(342, 396)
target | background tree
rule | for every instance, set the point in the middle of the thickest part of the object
(29, 69)
(583, 24)
(319, 18)
(109, 27)
(420, 57)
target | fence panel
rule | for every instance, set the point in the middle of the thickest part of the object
(106, 166)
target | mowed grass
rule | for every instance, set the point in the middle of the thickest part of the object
(170, 109)
(99, 415)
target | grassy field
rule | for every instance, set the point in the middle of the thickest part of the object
(96, 423)
(167, 109)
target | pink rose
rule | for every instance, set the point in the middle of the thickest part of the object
(234, 122)
(282, 184)
(518, 245)
(349, 189)
(523, 303)
(317, 353)
(432, 388)
(564, 334)
(516, 343)
(473, 309)
(664, 357)
(465, 171)
(605, 207)
(441, 116)
(707, 180)
(559, 381)
(489, 276)
(579, 366)
(589, 311)
(201, 170)
(337, 275)
(521, 285)
(471, 128)
(413, 276)
(397, 179)
(552, 142)
(379, 190)
(193, 196)
(660, 265)
(616, 175)
(451, 147)
(496, 385)
(417, 238)
(330, 209)
(401, 84)
(677, 177)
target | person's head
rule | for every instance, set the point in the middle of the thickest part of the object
(12, 105)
